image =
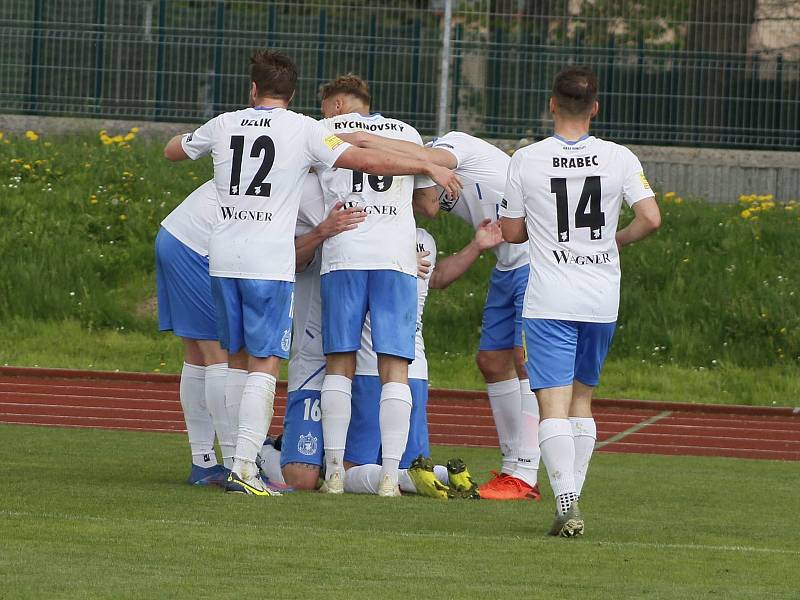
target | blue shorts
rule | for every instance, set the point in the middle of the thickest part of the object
(255, 314)
(364, 433)
(559, 352)
(502, 314)
(389, 296)
(183, 285)
(302, 429)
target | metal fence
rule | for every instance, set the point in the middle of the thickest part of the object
(720, 73)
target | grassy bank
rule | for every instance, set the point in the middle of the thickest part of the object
(709, 306)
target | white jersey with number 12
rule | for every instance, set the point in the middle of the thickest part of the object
(261, 157)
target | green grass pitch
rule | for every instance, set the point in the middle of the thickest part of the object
(102, 514)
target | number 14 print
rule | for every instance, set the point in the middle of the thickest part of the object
(591, 194)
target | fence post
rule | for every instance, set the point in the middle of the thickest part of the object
(33, 89)
(444, 77)
(218, 56)
(323, 25)
(99, 72)
(456, 78)
(162, 9)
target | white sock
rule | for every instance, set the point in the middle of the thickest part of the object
(395, 419)
(234, 388)
(405, 482)
(216, 377)
(255, 415)
(584, 432)
(528, 441)
(363, 479)
(442, 474)
(558, 454)
(335, 405)
(271, 463)
(505, 400)
(199, 426)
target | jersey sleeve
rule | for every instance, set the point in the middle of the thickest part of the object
(635, 186)
(201, 140)
(423, 181)
(323, 148)
(450, 143)
(312, 206)
(512, 205)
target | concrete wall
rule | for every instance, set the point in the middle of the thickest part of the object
(711, 174)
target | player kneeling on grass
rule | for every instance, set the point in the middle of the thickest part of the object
(186, 307)
(564, 196)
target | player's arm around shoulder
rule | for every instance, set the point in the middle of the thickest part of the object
(512, 207)
(378, 162)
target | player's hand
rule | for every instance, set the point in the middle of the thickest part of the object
(446, 179)
(488, 235)
(342, 219)
(423, 265)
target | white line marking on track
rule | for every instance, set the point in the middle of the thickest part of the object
(12, 514)
(634, 429)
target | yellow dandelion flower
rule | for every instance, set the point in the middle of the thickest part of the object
(2, 135)
(127, 174)
(118, 139)
(129, 137)
(669, 195)
(134, 130)
(678, 200)
(123, 217)
(32, 135)
(746, 213)
(45, 144)
(767, 205)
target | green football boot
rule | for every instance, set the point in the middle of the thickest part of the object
(421, 473)
(461, 482)
(570, 524)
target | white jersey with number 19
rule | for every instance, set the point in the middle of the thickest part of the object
(386, 239)
(570, 194)
(261, 157)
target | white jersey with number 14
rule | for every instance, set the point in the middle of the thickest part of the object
(570, 194)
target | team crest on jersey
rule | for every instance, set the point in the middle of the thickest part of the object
(307, 444)
(286, 341)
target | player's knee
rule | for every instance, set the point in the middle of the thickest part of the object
(491, 368)
(301, 476)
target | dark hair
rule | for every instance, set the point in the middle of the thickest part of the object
(346, 84)
(575, 90)
(274, 74)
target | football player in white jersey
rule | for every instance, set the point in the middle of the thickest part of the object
(564, 196)
(370, 269)
(261, 155)
(186, 307)
(483, 168)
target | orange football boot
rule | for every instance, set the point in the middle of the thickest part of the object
(506, 487)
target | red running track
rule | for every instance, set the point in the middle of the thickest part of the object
(149, 402)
